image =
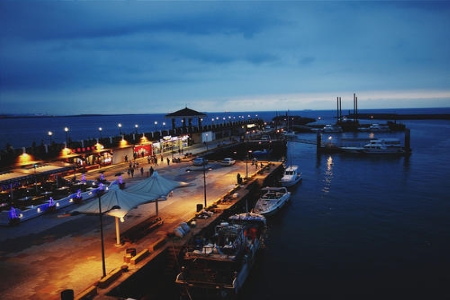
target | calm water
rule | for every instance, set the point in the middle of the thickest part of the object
(363, 227)
(22, 132)
(356, 228)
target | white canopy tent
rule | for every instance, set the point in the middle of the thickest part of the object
(151, 189)
(114, 197)
(156, 187)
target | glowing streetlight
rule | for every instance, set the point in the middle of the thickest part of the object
(120, 128)
(50, 136)
(246, 163)
(100, 131)
(66, 129)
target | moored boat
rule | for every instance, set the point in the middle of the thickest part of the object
(291, 176)
(219, 266)
(380, 146)
(332, 129)
(289, 134)
(272, 200)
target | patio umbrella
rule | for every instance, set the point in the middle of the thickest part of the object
(156, 187)
(113, 198)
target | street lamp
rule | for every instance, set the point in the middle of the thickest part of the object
(204, 182)
(66, 129)
(100, 213)
(50, 136)
(120, 128)
(246, 163)
(100, 130)
(35, 179)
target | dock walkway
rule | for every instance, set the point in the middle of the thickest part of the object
(57, 254)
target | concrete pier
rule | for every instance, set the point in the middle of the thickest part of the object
(57, 256)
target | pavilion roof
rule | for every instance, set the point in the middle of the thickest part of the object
(185, 113)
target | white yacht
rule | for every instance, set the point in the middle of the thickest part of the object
(272, 200)
(380, 146)
(332, 129)
(291, 176)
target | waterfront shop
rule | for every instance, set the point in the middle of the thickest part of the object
(143, 150)
(171, 144)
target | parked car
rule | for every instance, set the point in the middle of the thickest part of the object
(200, 161)
(227, 161)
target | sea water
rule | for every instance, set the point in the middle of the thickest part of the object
(358, 227)
(23, 131)
(362, 227)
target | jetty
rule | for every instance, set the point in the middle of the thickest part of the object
(59, 256)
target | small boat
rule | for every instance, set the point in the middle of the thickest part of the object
(289, 134)
(272, 200)
(379, 146)
(379, 127)
(332, 129)
(218, 266)
(291, 176)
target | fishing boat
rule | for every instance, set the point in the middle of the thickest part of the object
(217, 267)
(272, 200)
(291, 176)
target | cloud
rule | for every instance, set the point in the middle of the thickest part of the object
(209, 53)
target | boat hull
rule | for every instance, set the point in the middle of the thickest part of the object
(291, 176)
(272, 200)
(219, 269)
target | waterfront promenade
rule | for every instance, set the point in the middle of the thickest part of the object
(47, 255)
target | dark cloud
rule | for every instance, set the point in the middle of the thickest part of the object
(194, 49)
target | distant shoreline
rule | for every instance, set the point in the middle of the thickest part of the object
(53, 116)
(390, 116)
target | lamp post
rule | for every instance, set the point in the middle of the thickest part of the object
(66, 129)
(246, 163)
(136, 126)
(35, 179)
(100, 213)
(204, 182)
(120, 128)
(100, 131)
(50, 136)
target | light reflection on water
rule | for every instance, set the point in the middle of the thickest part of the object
(328, 176)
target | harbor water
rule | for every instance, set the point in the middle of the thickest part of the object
(357, 227)
(363, 227)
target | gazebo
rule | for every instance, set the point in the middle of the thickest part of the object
(189, 114)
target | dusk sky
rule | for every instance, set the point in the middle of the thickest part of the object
(112, 57)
